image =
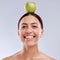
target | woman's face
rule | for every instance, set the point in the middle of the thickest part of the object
(30, 30)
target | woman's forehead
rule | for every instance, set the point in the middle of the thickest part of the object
(30, 19)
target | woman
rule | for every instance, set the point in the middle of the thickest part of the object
(30, 30)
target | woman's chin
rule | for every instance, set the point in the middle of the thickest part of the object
(30, 44)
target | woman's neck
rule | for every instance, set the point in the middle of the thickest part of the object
(31, 50)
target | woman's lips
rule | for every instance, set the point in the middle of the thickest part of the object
(28, 37)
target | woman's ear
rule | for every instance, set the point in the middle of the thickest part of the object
(42, 33)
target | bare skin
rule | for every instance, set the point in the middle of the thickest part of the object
(30, 32)
(23, 56)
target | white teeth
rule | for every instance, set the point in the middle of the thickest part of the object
(29, 37)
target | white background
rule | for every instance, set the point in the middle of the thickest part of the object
(12, 10)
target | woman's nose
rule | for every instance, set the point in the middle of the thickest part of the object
(29, 30)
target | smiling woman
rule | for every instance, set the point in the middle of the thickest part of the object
(30, 30)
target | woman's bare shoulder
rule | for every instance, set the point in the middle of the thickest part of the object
(8, 58)
(46, 57)
(12, 57)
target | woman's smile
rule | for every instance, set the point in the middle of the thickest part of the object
(29, 37)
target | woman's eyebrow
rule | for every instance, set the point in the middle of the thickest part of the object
(24, 23)
(34, 23)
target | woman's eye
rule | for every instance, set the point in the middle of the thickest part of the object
(24, 26)
(35, 27)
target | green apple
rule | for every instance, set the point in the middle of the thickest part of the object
(30, 7)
